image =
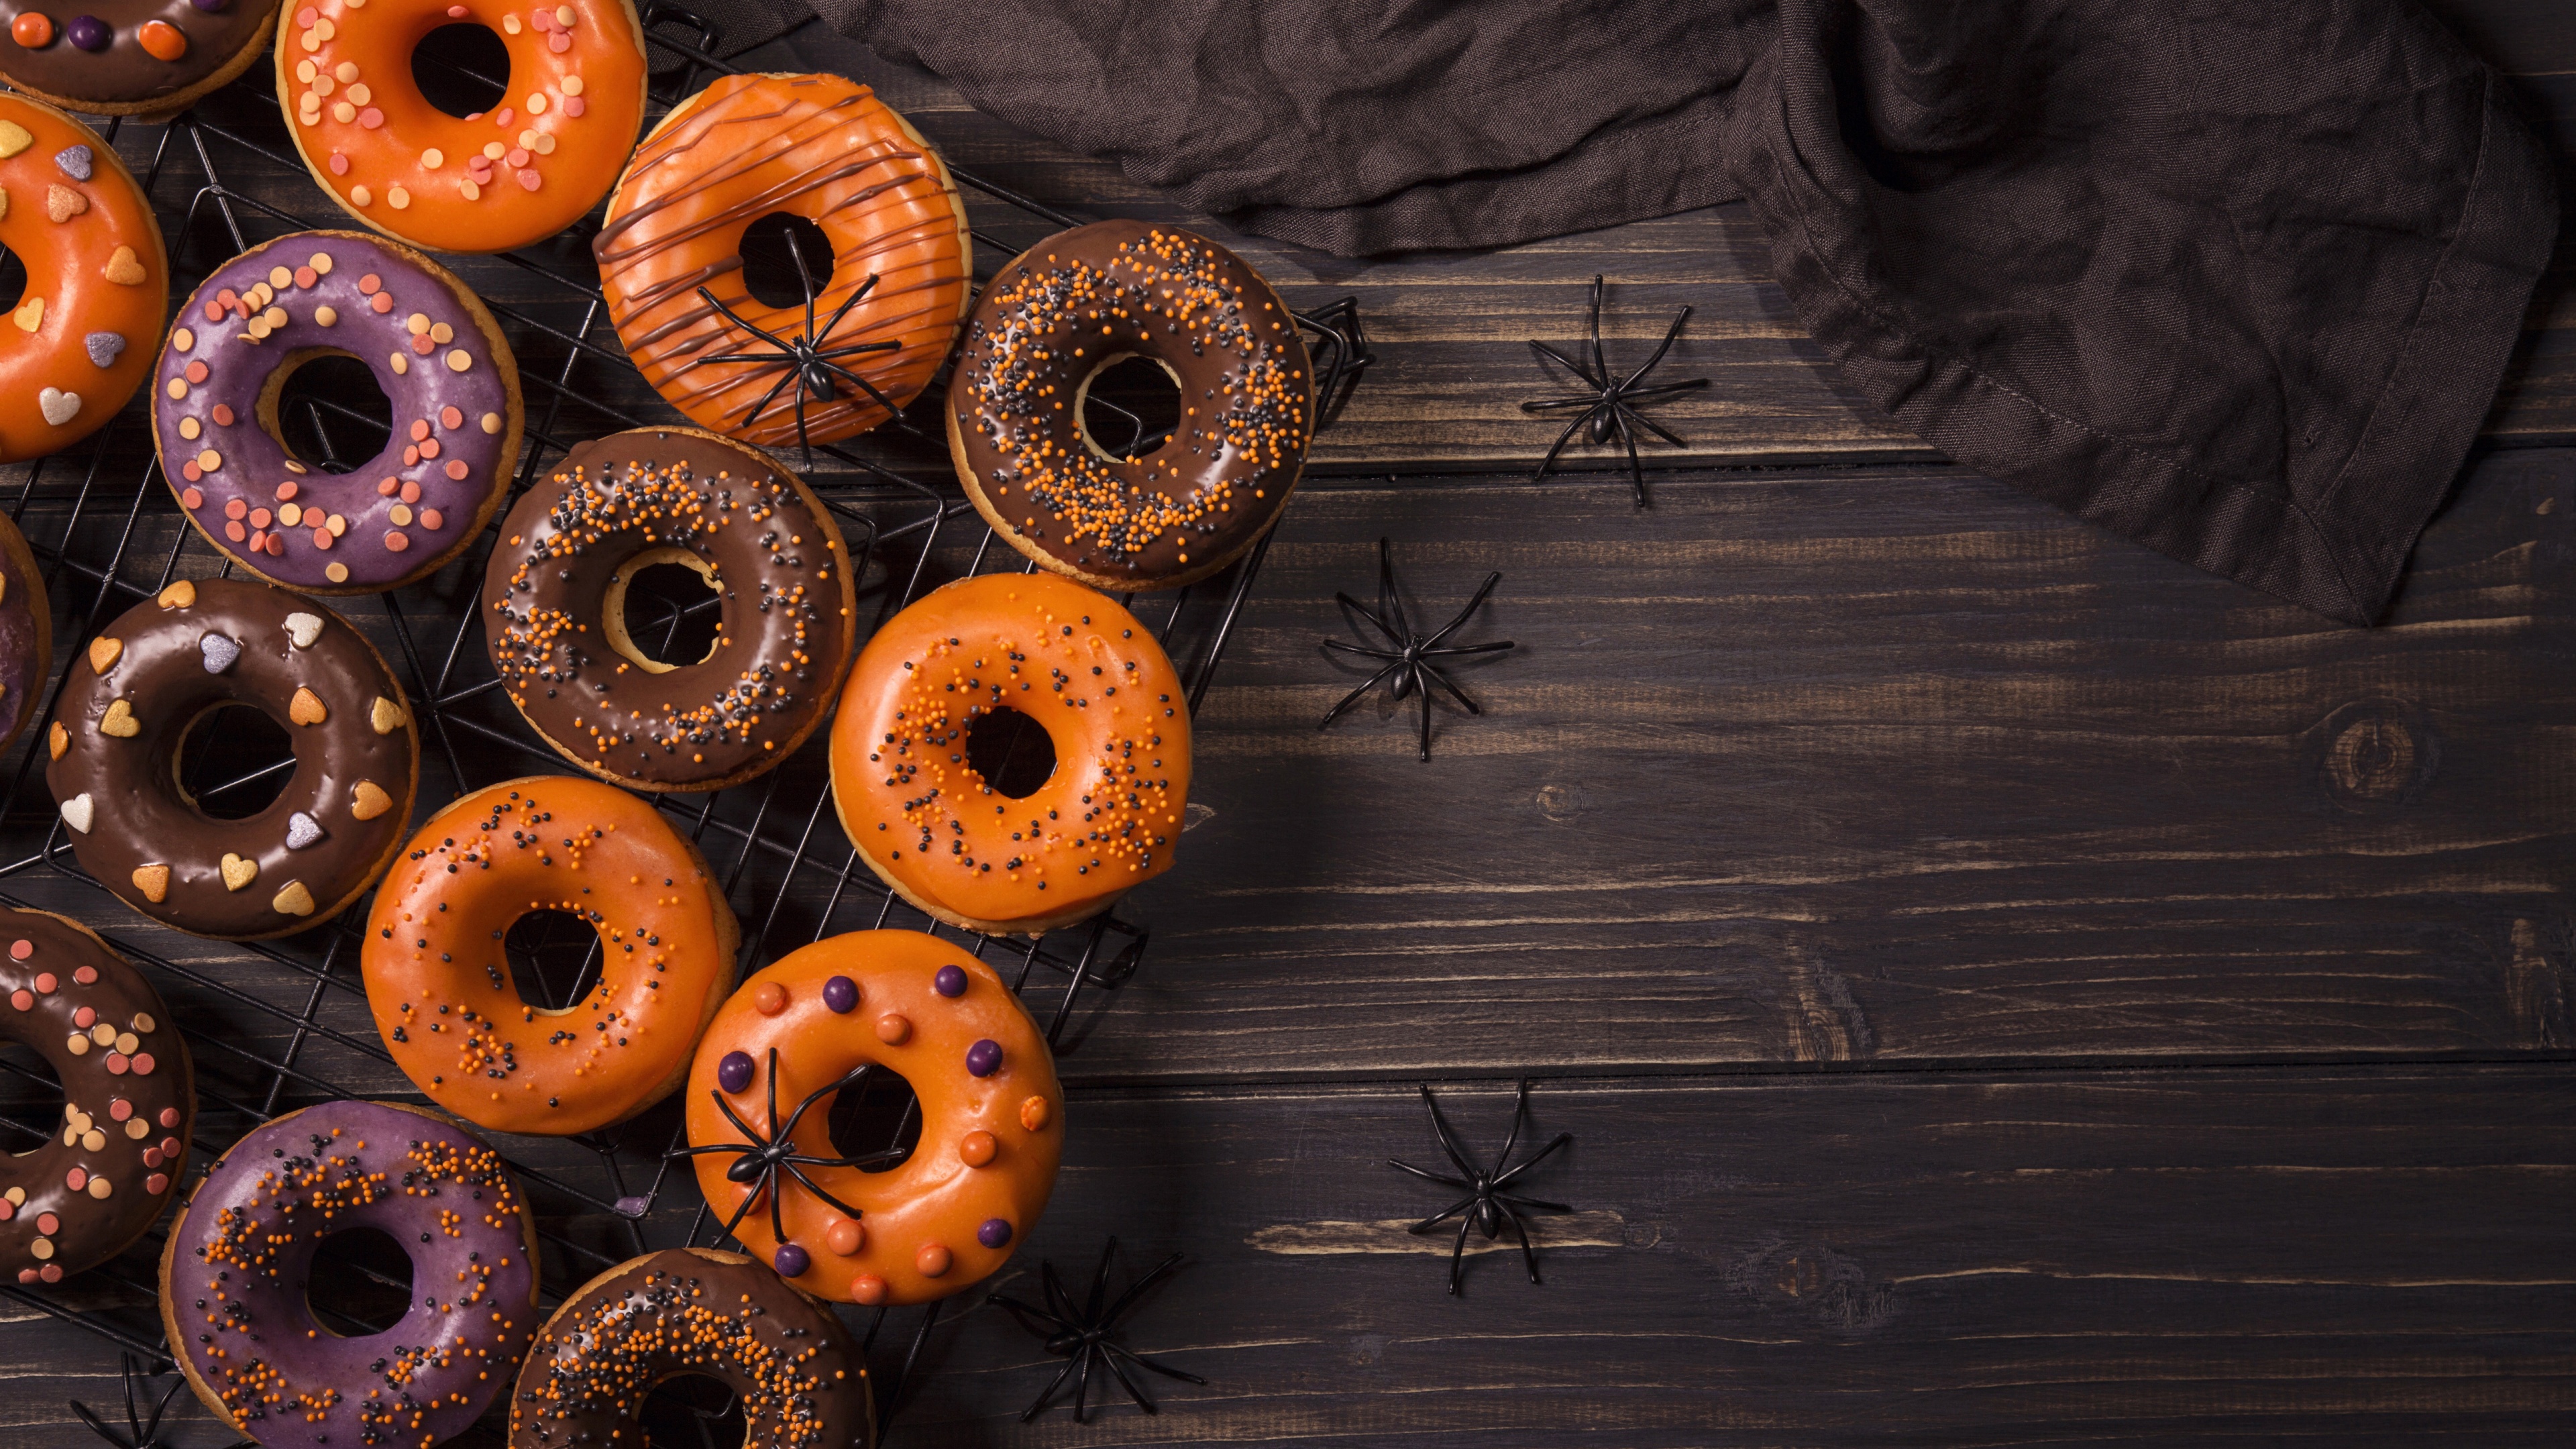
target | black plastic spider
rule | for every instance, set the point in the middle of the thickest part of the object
(1610, 409)
(807, 359)
(1083, 1335)
(140, 1432)
(1486, 1207)
(759, 1160)
(1409, 658)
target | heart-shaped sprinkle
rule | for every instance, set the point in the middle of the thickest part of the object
(124, 270)
(105, 347)
(62, 203)
(14, 138)
(385, 715)
(220, 652)
(295, 900)
(303, 629)
(75, 161)
(120, 721)
(181, 595)
(238, 872)
(58, 406)
(30, 314)
(301, 831)
(306, 708)
(78, 812)
(370, 802)
(102, 653)
(153, 881)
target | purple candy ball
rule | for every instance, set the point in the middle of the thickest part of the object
(88, 32)
(951, 981)
(984, 1058)
(994, 1233)
(734, 1072)
(791, 1260)
(841, 994)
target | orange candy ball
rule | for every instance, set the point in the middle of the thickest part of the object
(932, 1260)
(976, 1149)
(32, 30)
(845, 1238)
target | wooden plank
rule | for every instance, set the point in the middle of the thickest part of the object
(1452, 328)
(1893, 766)
(2201, 1257)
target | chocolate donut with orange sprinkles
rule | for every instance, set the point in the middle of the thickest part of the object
(555, 609)
(240, 1257)
(1068, 310)
(800, 1380)
(434, 350)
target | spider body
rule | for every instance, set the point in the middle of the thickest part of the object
(808, 360)
(1487, 1207)
(762, 1158)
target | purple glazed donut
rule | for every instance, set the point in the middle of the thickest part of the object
(26, 633)
(233, 1279)
(435, 351)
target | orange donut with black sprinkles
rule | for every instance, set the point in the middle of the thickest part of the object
(1065, 312)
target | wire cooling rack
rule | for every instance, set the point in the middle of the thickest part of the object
(281, 1025)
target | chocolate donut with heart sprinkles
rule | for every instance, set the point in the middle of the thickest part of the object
(129, 1100)
(127, 707)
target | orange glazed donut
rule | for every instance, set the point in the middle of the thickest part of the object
(815, 146)
(813, 1025)
(440, 986)
(929, 824)
(98, 285)
(481, 183)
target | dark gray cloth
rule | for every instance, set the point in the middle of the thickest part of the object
(2234, 280)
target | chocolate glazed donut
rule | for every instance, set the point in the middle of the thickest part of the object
(240, 1256)
(129, 1099)
(26, 633)
(134, 57)
(126, 707)
(801, 1382)
(555, 616)
(1077, 304)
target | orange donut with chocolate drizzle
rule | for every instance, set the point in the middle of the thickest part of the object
(670, 259)
(508, 177)
(964, 659)
(442, 990)
(823, 1021)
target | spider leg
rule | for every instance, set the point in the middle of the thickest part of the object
(1636, 469)
(1389, 600)
(744, 1207)
(1360, 649)
(1054, 1386)
(1023, 1312)
(1466, 613)
(1134, 1357)
(785, 377)
(852, 300)
(733, 1147)
(1543, 405)
(1529, 1255)
(1599, 364)
(856, 349)
(1520, 1114)
(1536, 1158)
(126, 1365)
(1532, 1203)
(153, 1429)
(1426, 1176)
(1425, 689)
(1452, 690)
(1563, 438)
(754, 1140)
(1449, 1143)
(737, 319)
(1661, 348)
(1127, 1300)
(1458, 1254)
(1661, 390)
(1639, 419)
(809, 1185)
(1353, 697)
(777, 1223)
(805, 282)
(99, 1426)
(1596, 382)
(1100, 1283)
(1082, 1387)
(1143, 1400)
(1056, 1296)
(1433, 1221)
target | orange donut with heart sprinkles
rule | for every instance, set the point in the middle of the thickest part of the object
(508, 177)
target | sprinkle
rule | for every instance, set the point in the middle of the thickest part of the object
(124, 269)
(238, 872)
(301, 831)
(361, 195)
(104, 347)
(219, 652)
(74, 162)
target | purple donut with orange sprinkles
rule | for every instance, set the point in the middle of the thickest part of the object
(337, 526)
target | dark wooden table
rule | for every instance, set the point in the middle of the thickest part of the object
(2005, 986)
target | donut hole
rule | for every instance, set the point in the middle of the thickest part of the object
(662, 610)
(1130, 407)
(31, 1099)
(554, 959)
(360, 1284)
(326, 410)
(692, 1409)
(13, 279)
(880, 1112)
(233, 762)
(771, 249)
(463, 69)
(1014, 753)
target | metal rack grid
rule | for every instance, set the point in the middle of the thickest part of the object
(281, 1025)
